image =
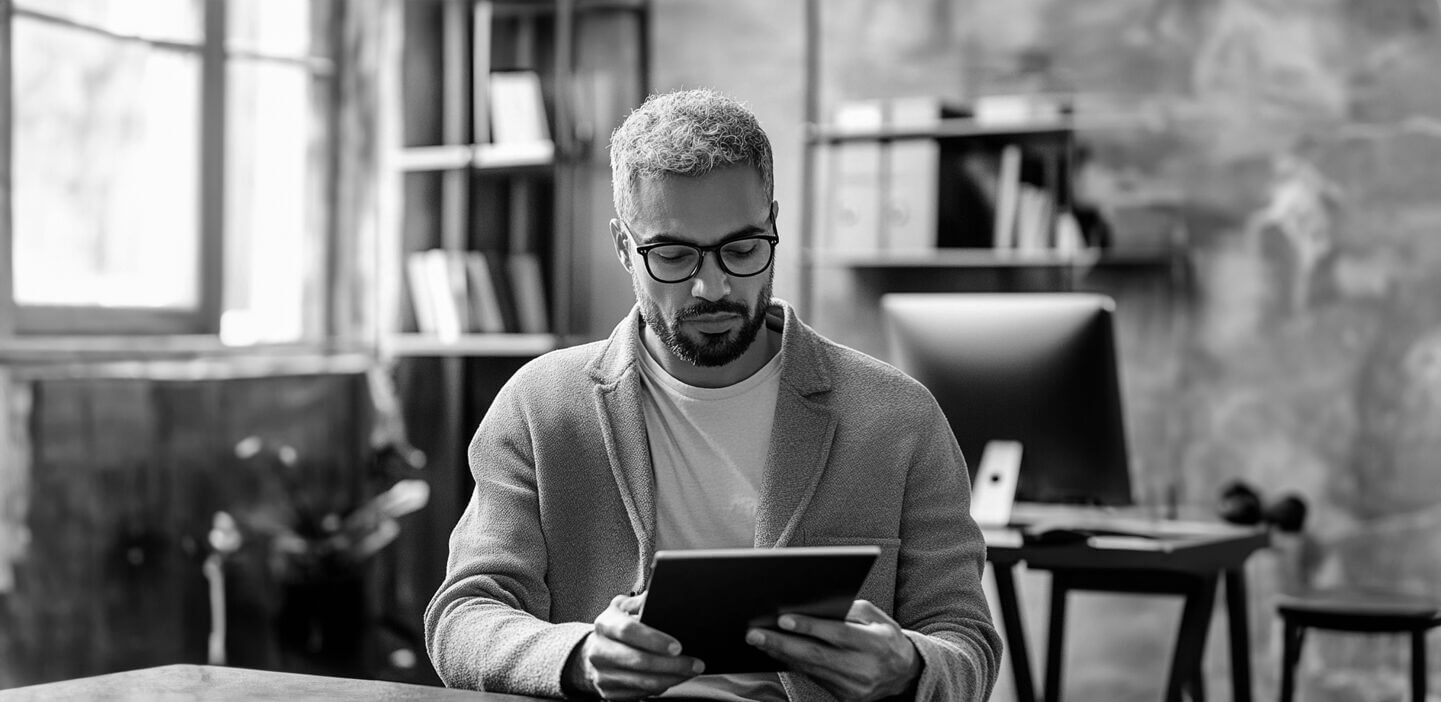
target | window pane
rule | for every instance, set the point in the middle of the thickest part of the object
(105, 170)
(173, 20)
(275, 209)
(272, 27)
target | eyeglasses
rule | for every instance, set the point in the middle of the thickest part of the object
(675, 262)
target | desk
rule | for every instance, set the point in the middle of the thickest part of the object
(206, 683)
(1183, 558)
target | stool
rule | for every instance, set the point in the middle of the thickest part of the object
(1358, 611)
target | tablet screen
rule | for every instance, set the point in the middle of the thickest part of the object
(708, 598)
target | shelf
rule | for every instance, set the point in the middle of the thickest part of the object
(481, 157)
(953, 128)
(469, 345)
(987, 258)
(530, 7)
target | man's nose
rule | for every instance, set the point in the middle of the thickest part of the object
(710, 282)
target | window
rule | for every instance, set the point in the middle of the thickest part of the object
(170, 166)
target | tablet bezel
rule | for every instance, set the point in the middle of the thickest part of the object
(708, 598)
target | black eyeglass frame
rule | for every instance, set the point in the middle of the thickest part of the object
(644, 251)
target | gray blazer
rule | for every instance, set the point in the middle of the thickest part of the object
(563, 515)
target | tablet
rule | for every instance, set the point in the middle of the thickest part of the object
(708, 598)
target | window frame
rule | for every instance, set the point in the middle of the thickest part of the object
(27, 323)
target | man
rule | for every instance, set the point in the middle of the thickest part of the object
(711, 417)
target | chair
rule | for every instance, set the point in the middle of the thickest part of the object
(1356, 611)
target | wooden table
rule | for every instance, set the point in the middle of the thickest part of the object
(206, 683)
(1186, 558)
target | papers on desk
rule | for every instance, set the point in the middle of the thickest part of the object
(1129, 520)
(1001, 536)
(1129, 543)
(1111, 534)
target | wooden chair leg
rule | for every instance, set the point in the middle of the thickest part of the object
(1196, 687)
(1015, 632)
(1191, 639)
(1056, 644)
(1291, 641)
(1418, 665)
(1239, 633)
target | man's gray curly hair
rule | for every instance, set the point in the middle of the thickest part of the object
(686, 133)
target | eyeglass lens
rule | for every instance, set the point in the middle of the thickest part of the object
(671, 263)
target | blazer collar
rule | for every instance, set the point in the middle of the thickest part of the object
(800, 443)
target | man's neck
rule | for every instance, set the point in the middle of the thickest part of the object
(766, 345)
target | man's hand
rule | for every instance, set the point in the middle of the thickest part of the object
(624, 659)
(865, 657)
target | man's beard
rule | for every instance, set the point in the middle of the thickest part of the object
(712, 349)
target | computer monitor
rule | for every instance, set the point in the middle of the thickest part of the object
(1038, 368)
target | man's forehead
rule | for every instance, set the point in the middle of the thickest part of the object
(733, 193)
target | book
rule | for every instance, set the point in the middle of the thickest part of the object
(1033, 218)
(437, 273)
(517, 109)
(1018, 109)
(909, 221)
(853, 210)
(487, 316)
(708, 598)
(1070, 240)
(499, 264)
(416, 275)
(528, 287)
(482, 19)
(1008, 185)
(455, 278)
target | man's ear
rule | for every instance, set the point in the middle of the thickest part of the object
(618, 238)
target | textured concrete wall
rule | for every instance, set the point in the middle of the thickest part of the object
(1301, 140)
(1304, 137)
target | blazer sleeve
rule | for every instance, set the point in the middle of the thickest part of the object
(939, 599)
(483, 628)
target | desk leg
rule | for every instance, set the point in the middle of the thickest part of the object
(1191, 642)
(1239, 626)
(1015, 632)
(1056, 640)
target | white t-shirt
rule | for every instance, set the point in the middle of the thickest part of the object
(708, 447)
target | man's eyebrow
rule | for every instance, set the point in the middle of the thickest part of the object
(665, 238)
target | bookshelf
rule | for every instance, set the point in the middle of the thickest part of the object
(915, 193)
(488, 147)
(484, 159)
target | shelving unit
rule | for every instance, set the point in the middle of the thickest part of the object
(947, 128)
(452, 182)
(985, 258)
(960, 255)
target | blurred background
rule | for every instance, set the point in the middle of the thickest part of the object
(264, 262)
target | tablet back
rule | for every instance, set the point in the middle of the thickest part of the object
(708, 598)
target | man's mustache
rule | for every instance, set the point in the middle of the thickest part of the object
(714, 307)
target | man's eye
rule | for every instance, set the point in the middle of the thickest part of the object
(742, 249)
(671, 254)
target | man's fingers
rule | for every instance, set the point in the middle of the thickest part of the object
(836, 633)
(630, 604)
(833, 668)
(626, 658)
(864, 612)
(617, 624)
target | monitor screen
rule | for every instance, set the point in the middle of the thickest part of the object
(1038, 368)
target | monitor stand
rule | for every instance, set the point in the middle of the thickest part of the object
(994, 491)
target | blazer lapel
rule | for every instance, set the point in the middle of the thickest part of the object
(802, 435)
(800, 445)
(622, 426)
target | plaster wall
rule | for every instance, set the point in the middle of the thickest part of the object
(1300, 144)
